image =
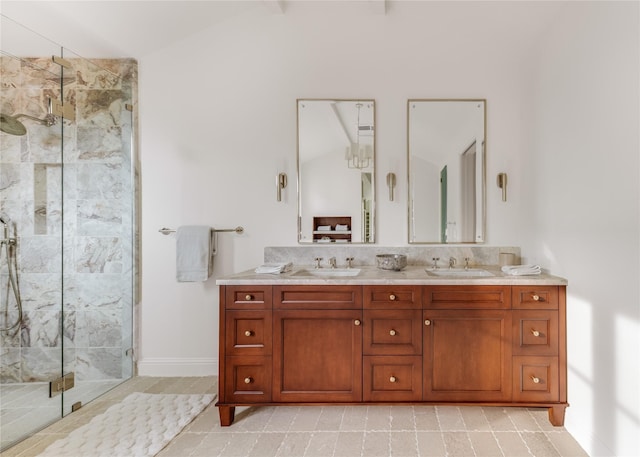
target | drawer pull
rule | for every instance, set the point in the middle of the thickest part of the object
(357, 322)
(392, 297)
(535, 380)
(536, 297)
(248, 333)
(248, 380)
(248, 297)
(535, 332)
(392, 379)
(427, 322)
(392, 332)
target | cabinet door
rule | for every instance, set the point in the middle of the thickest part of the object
(317, 356)
(467, 355)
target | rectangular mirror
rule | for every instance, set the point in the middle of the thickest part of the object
(336, 171)
(446, 169)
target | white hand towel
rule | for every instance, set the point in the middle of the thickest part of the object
(195, 247)
(342, 227)
(522, 270)
(274, 268)
(323, 228)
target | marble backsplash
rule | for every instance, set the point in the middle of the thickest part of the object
(72, 213)
(366, 255)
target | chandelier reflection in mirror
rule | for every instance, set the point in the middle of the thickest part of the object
(360, 153)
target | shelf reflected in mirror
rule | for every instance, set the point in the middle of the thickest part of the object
(336, 170)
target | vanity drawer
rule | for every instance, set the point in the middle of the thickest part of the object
(248, 379)
(535, 378)
(392, 332)
(392, 297)
(466, 297)
(535, 332)
(396, 378)
(248, 297)
(317, 297)
(535, 297)
(248, 332)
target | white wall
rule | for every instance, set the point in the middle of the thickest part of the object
(218, 122)
(582, 211)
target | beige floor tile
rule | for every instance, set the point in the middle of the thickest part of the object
(566, 444)
(539, 445)
(376, 444)
(512, 444)
(404, 444)
(354, 418)
(430, 444)
(349, 444)
(267, 445)
(321, 444)
(338, 431)
(457, 444)
(450, 418)
(294, 445)
(475, 419)
(484, 444)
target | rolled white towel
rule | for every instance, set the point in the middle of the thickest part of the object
(521, 270)
(274, 268)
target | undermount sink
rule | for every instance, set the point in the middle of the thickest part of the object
(460, 272)
(328, 272)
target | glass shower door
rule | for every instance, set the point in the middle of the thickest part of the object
(31, 335)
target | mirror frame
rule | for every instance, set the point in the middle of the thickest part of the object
(483, 222)
(373, 173)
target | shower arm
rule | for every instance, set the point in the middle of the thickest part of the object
(49, 120)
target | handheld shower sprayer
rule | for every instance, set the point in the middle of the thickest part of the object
(9, 245)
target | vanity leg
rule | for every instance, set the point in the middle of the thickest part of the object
(227, 414)
(556, 415)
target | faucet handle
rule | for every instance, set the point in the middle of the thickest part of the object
(349, 260)
(435, 262)
(466, 263)
(332, 262)
(452, 262)
(318, 260)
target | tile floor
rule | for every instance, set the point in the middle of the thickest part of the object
(348, 431)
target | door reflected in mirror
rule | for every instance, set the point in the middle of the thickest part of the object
(446, 169)
(336, 171)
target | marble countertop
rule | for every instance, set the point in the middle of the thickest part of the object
(412, 275)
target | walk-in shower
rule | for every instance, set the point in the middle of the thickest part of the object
(67, 229)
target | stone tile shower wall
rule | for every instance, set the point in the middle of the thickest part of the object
(73, 211)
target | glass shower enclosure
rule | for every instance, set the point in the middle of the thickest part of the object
(67, 229)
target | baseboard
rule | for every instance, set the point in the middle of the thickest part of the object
(171, 367)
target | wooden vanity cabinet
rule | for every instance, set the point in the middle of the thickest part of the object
(495, 345)
(317, 340)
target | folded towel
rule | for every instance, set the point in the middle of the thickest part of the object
(342, 227)
(521, 270)
(195, 247)
(323, 228)
(274, 268)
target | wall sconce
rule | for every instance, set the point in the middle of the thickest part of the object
(391, 182)
(281, 183)
(502, 184)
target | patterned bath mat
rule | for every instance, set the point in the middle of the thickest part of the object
(140, 425)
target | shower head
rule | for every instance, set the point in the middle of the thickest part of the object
(11, 125)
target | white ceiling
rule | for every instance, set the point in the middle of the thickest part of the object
(123, 28)
(134, 28)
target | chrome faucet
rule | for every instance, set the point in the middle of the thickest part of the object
(332, 262)
(452, 262)
(435, 262)
(349, 262)
(466, 263)
(318, 260)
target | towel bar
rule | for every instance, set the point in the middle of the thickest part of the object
(239, 230)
